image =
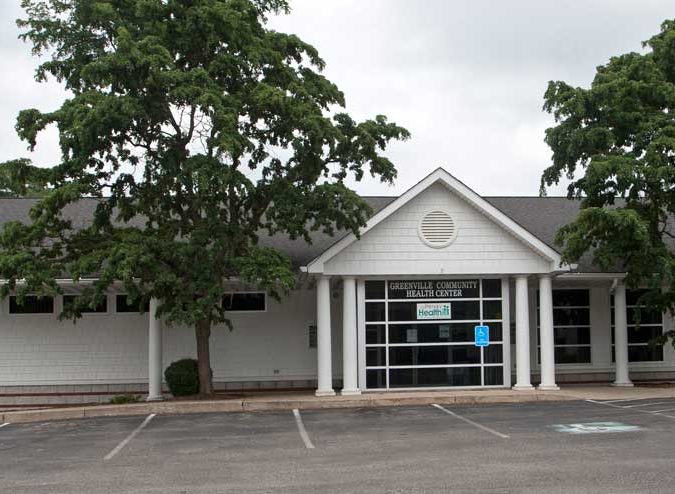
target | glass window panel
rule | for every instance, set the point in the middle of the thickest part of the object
(573, 355)
(466, 311)
(440, 332)
(492, 309)
(311, 336)
(644, 316)
(434, 355)
(572, 336)
(492, 288)
(492, 354)
(571, 317)
(494, 376)
(69, 300)
(495, 331)
(453, 376)
(123, 304)
(244, 302)
(375, 334)
(431, 333)
(460, 310)
(645, 353)
(642, 334)
(376, 356)
(633, 296)
(374, 290)
(571, 298)
(375, 311)
(31, 305)
(376, 378)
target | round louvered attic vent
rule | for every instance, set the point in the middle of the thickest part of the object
(437, 229)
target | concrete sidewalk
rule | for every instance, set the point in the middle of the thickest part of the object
(304, 401)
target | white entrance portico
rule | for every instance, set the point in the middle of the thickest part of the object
(442, 234)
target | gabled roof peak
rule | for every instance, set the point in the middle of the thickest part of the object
(442, 176)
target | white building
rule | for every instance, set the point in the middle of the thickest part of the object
(395, 309)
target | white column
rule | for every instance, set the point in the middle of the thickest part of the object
(546, 340)
(154, 353)
(506, 331)
(522, 335)
(349, 355)
(323, 338)
(620, 337)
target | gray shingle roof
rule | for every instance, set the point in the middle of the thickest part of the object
(541, 216)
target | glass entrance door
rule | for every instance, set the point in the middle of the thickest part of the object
(420, 333)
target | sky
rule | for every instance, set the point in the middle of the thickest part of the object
(465, 77)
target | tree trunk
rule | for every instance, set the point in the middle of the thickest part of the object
(203, 333)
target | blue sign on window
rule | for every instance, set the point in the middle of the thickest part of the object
(481, 335)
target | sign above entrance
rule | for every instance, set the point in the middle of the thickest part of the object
(411, 289)
(481, 335)
(434, 311)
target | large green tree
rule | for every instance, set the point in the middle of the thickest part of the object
(615, 143)
(196, 119)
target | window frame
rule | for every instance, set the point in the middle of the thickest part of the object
(264, 294)
(8, 307)
(588, 326)
(631, 324)
(89, 312)
(387, 345)
(131, 313)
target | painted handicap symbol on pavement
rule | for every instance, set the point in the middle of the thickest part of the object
(595, 428)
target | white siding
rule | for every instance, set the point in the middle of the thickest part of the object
(112, 348)
(394, 247)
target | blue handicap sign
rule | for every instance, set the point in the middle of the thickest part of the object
(481, 335)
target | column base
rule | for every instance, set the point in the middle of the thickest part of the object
(350, 392)
(548, 387)
(522, 387)
(623, 385)
(155, 398)
(324, 392)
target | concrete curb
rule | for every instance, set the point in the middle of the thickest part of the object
(257, 404)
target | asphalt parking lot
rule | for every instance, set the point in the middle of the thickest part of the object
(579, 446)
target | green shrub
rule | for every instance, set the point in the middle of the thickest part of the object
(182, 377)
(124, 399)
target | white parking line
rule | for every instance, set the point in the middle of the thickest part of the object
(468, 421)
(301, 429)
(645, 404)
(664, 410)
(4, 425)
(126, 440)
(650, 412)
(618, 401)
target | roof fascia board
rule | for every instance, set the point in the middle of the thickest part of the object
(501, 219)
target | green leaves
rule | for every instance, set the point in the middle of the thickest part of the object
(195, 130)
(615, 141)
(20, 178)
